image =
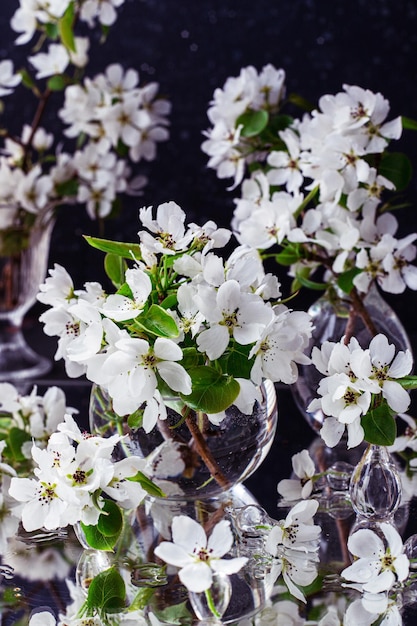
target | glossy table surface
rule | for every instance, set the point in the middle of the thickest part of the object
(35, 573)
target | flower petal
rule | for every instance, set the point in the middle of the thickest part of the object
(196, 577)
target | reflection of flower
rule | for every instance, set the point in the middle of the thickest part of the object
(195, 555)
(380, 562)
(70, 481)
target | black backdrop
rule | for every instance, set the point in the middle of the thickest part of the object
(191, 47)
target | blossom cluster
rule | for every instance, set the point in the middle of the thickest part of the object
(26, 420)
(314, 186)
(357, 381)
(380, 566)
(109, 121)
(183, 320)
(293, 543)
(71, 479)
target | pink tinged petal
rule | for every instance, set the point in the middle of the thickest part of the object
(221, 539)
(397, 397)
(173, 554)
(228, 566)
(175, 376)
(188, 533)
(196, 577)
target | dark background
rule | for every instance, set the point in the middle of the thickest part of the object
(192, 47)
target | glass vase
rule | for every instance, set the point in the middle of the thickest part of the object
(24, 251)
(334, 316)
(200, 468)
(375, 485)
(193, 458)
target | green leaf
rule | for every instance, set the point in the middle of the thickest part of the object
(253, 122)
(115, 267)
(15, 441)
(57, 83)
(289, 255)
(107, 591)
(67, 188)
(141, 599)
(301, 102)
(158, 322)
(409, 123)
(51, 30)
(176, 614)
(345, 280)
(408, 382)
(125, 250)
(212, 391)
(379, 425)
(280, 122)
(310, 284)
(66, 28)
(27, 79)
(110, 522)
(397, 167)
(236, 361)
(113, 523)
(135, 420)
(147, 484)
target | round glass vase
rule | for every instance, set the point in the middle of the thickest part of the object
(24, 251)
(333, 316)
(187, 454)
(200, 468)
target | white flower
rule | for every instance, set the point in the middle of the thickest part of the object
(8, 79)
(195, 555)
(229, 311)
(304, 468)
(379, 563)
(54, 61)
(168, 228)
(103, 10)
(42, 618)
(297, 531)
(120, 308)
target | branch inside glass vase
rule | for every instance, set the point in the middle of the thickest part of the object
(204, 451)
(358, 308)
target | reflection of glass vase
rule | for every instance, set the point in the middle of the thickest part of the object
(375, 485)
(200, 467)
(333, 316)
(23, 263)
